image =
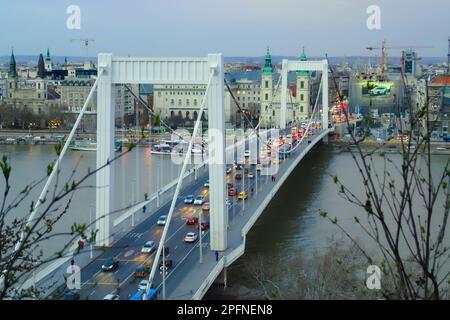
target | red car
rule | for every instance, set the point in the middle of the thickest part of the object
(192, 221)
(205, 226)
(231, 192)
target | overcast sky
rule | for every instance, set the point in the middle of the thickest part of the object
(233, 27)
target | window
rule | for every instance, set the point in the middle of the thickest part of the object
(187, 114)
(195, 102)
(266, 96)
(172, 102)
(302, 84)
(301, 109)
(273, 113)
(179, 102)
(187, 102)
(302, 97)
(266, 84)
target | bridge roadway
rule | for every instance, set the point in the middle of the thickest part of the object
(188, 278)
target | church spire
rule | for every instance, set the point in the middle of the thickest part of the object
(47, 57)
(12, 73)
(41, 67)
(303, 73)
(268, 63)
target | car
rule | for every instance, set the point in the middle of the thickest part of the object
(206, 185)
(110, 264)
(168, 264)
(199, 200)
(205, 206)
(228, 202)
(148, 247)
(229, 170)
(143, 285)
(258, 167)
(111, 297)
(247, 153)
(238, 176)
(190, 237)
(239, 167)
(191, 221)
(161, 220)
(378, 90)
(189, 199)
(250, 175)
(231, 192)
(71, 295)
(242, 195)
(165, 251)
(139, 272)
(204, 226)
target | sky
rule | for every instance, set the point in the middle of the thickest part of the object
(231, 27)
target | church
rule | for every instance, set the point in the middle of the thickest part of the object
(298, 95)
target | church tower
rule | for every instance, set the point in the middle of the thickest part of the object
(303, 109)
(48, 61)
(267, 91)
(12, 76)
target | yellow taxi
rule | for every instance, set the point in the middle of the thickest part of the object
(242, 195)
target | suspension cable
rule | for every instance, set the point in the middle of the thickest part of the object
(177, 190)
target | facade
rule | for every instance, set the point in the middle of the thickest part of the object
(439, 99)
(180, 103)
(298, 96)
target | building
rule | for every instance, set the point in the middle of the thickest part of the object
(439, 105)
(298, 95)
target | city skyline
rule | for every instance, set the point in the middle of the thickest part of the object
(235, 28)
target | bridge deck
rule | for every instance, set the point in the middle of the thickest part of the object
(193, 279)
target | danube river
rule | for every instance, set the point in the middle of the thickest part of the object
(289, 227)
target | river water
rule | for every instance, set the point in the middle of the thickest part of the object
(290, 225)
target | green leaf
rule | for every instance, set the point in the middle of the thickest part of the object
(323, 214)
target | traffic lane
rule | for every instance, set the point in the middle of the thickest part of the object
(155, 235)
(128, 242)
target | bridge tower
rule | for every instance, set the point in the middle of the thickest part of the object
(145, 70)
(302, 66)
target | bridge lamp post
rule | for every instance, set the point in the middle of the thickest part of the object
(200, 235)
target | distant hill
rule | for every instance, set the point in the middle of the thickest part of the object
(32, 59)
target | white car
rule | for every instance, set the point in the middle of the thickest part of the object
(112, 297)
(247, 153)
(206, 185)
(199, 200)
(250, 175)
(143, 284)
(162, 220)
(148, 247)
(190, 237)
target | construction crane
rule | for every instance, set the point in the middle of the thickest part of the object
(86, 42)
(384, 54)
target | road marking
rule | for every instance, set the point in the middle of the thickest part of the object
(92, 293)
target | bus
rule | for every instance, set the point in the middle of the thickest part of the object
(152, 295)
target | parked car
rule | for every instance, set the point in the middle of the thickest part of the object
(168, 264)
(162, 220)
(190, 237)
(189, 199)
(148, 247)
(239, 167)
(71, 295)
(247, 153)
(112, 297)
(110, 265)
(199, 200)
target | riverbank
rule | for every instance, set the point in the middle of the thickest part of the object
(437, 148)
